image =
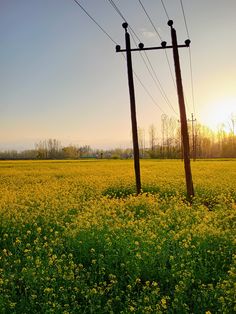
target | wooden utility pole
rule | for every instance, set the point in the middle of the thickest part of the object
(132, 109)
(163, 130)
(183, 119)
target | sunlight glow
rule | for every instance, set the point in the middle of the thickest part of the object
(219, 112)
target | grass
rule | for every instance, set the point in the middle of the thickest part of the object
(76, 239)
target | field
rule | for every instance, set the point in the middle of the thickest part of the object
(75, 239)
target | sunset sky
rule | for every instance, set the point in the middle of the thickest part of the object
(61, 77)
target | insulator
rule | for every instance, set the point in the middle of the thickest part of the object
(187, 42)
(125, 25)
(163, 44)
(117, 48)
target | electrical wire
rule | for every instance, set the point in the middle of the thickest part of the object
(171, 72)
(99, 26)
(106, 33)
(192, 86)
(155, 80)
(167, 59)
(146, 90)
(161, 89)
(190, 57)
(154, 75)
(158, 34)
(133, 34)
(150, 20)
(122, 17)
(185, 22)
(167, 15)
(165, 10)
(117, 9)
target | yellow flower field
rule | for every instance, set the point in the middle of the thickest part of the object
(76, 239)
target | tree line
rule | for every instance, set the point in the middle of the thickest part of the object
(50, 149)
(204, 143)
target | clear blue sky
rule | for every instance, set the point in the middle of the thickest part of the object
(61, 77)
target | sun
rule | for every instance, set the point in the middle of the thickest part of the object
(218, 113)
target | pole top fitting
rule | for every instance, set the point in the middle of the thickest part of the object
(117, 48)
(125, 25)
(187, 42)
(141, 46)
(170, 23)
(163, 44)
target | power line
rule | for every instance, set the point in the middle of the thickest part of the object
(133, 34)
(168, 62)
(154, 77)
(100, 27)
(150, 20)
(146, 90)
(165, 10)
(106, 33)
(123, 18)
(158, 34)
(161, 89)
(192, 86)
(185, 22)
(117, 9)
(171, 73)
(190, 57)
(144, 87)
(167, 59)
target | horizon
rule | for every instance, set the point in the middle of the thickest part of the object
(112, 146)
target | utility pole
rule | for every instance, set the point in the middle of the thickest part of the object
(163, 130)
(193, 137)
(183, 119)
(181, 144)
(132, 109)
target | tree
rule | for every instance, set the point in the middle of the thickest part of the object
(141, 140)
(85, 151)
(152, 137)
(53, 147)
(70, 152)
(48, 149)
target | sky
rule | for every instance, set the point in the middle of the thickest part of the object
(61, 77)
